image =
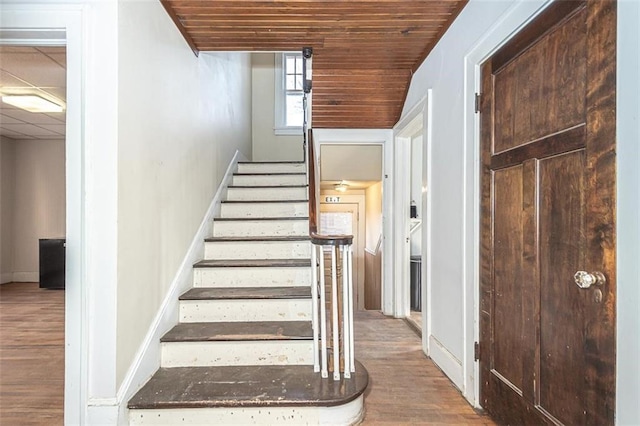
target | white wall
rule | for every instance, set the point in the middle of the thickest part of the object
(266, 145)
(7, 203)
(444, 72)
(180, 121)
(33, 201)
(628, 226)
(416, 190)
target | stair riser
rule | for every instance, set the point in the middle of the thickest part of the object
(252, 277)
(245, 310)
(269, 180)
(271, 168)
(244, 210)
(260, 194)
(260, 228)
(346, 414)
(206, 354)
(258, 250)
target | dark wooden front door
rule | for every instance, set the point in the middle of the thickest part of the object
(547, 346)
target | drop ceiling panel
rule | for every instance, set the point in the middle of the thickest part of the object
(33, 70)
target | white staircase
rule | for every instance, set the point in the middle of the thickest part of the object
(242, 352)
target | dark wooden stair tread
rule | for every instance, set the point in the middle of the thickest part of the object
(247, 386)
(258, 239)
(250, 263)
(208, 293)
(270, 162)
(264, 201)
(271, 174)
(239, 331)
(248, 219)
(267, 186)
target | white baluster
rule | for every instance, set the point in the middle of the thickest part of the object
(350, 286)
(346, 323)
(323, 316)
(314, 307)
(334, 316)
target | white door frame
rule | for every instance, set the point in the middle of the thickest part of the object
(91, 191)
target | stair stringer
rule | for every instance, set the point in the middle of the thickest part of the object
(147, 358)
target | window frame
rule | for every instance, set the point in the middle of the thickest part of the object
(280, 105)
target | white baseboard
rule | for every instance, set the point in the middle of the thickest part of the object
(24, 277)
(147, 359)
(449, 364)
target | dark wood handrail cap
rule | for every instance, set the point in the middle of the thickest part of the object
(330, 240)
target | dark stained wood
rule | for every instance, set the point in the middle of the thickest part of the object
(508, 278)
(31, 355)
(405, 387)
(247, 386)
(258, 239)
(548, 110)
(258, 219)
(372, 280)
(239, 331)
(248, 263)
(269, 174)
(357, 46)
(265, 201)
(206, 293)
(559, 143)
(314, 184)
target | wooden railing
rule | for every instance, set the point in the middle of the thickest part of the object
(332, 309)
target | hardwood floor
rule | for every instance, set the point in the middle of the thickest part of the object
(405, 387)
(31, 355)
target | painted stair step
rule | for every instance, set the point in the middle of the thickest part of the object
(236, 352)
(269, 179)
(272, 167)
(239, 310)
(274, 208)
(247, 293)
(248, 193)
(227, 227)
(286, 274)
(230, 331)
(250, 386)
(277, 247)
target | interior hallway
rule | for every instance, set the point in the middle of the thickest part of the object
(405, 387)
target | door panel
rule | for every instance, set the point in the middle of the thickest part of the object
(548, 210)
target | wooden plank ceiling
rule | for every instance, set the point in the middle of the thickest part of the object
(364, 52)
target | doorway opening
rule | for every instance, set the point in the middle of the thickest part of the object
(32, 229)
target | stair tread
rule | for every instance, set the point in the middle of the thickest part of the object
(258, 239)
(266, 186)
(247, 386)
(270, 162)
(252, 263)
(270, 174)
(265, 201)
(217, 293)
(239, 331)
(229, 219)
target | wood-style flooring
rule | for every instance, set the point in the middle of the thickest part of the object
(31, 355)
(405, 387)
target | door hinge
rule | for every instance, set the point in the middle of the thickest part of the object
(476, 351)
(478, 100)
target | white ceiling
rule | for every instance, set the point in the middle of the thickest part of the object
(359, 166)
(37, 70)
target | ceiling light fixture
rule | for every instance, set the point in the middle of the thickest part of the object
(32, 103)
(342, 187)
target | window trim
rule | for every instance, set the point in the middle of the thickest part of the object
(280, 128)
